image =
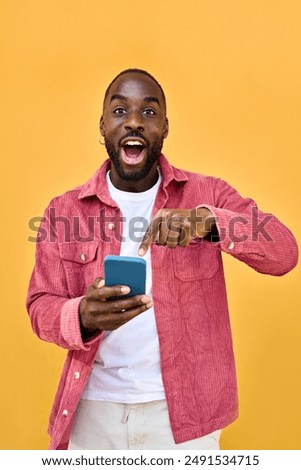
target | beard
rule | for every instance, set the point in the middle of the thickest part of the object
(153, 154)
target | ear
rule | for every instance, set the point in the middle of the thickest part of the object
(102, 126)
(166, 128)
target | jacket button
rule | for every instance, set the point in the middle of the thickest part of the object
(65, 413)
(231, 246)
(83, 257)
(111, 226)
(76, 375)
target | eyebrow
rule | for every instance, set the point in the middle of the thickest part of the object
(147, 99)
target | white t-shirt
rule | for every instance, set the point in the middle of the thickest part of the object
(127, 365)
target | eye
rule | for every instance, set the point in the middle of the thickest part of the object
(119, 110)
(149, 112)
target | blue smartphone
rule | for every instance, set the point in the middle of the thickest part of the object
(127, 271)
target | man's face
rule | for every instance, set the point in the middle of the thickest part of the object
(134, 125)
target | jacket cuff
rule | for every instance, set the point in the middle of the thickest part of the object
(232, 231)
(70, 326)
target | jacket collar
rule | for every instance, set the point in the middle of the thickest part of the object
(97, 186)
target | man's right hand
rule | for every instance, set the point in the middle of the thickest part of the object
(98, 313)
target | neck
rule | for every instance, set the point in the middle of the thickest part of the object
(135, 186)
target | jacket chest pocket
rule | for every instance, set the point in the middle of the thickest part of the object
(80, 265)
(195, 262)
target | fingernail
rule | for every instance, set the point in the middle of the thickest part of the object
(141, 252)
(125, 289)
(145, 299)
(101, 283)
(150, 304)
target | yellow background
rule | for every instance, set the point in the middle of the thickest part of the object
(231, 71)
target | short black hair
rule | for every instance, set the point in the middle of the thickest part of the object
(135, 71)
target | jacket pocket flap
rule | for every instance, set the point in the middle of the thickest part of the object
(77, 252)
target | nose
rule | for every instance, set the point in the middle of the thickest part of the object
(134, 121)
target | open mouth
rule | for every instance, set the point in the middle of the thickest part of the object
(133, 152)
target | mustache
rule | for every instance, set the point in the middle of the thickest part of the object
(134, 134)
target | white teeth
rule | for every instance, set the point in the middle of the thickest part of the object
(134, 142)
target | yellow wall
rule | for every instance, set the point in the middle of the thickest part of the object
(231, 71)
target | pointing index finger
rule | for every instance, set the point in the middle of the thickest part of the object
(147, 239)
(151, 233)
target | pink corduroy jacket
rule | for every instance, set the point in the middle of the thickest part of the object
(84, 225)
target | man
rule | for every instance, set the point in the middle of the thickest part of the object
(154, 371)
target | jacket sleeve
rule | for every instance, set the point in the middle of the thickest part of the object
(258, 239)
(54, 315)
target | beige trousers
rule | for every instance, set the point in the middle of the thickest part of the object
(100, 425)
